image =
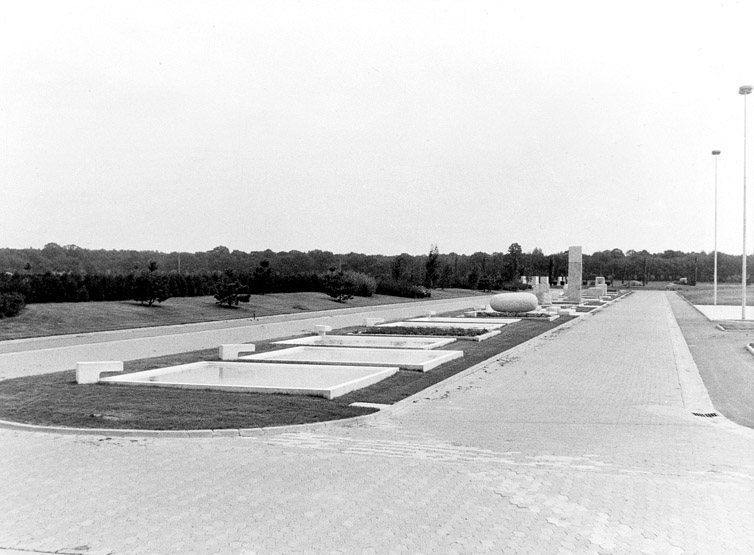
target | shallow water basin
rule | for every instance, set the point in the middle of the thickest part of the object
(409, 359)
(327, 381)
(375, 341)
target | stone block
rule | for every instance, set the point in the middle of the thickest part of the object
(514, 302)
(89, 372)
(596, 291)
(322, 330)
(574, 274)
(541, 290)
(231, 351)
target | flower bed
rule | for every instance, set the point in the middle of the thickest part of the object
(417, 330)
(512, 315)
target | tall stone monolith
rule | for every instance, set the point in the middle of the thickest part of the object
(574, 275)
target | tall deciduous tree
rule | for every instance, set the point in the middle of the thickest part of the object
(431, 267)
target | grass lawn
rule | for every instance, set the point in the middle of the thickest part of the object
(727, 294)
(40, 320)
(56, 399)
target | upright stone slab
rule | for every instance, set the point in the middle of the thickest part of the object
(574, 275)
(600, 285)
(544, 296)
(541, 289)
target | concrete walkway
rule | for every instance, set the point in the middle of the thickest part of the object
(581, 443)
(27, 357)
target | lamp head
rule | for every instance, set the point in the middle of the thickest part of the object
(715, 152)
(745, 89)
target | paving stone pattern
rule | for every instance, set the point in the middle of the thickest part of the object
(579, 444)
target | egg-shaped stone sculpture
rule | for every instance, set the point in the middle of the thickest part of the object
(513, 302)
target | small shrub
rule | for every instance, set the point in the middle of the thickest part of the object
(150, 288)
(229, 291)
(364, 285)
(11, 303)
(338, 285)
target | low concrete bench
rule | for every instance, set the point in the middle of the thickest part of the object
(369, 322)
(322, 330)
(88, 372)
(232, 351)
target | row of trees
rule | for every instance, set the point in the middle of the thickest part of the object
(451, 269)
(229, 288)
(150, 280)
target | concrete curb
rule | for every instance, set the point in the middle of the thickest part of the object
(425, 394)
(693, 391)
(692, 305)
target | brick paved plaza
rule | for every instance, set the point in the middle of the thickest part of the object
(581, 442)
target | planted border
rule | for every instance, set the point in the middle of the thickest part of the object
(56, 400)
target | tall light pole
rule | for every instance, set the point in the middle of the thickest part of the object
(744, 90)
(715, 153)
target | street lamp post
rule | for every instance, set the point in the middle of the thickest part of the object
(744, 90)
(715, 153)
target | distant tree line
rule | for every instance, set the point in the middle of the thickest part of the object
(73, 274)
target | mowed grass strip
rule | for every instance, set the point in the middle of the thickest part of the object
(45, 319)
(56, 399)
(727, 294)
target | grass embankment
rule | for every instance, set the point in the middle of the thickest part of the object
(56, 399)
(41, 320)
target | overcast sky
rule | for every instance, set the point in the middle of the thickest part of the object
(374, 127)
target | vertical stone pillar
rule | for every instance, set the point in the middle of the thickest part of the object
(574, 275)
(544, 287)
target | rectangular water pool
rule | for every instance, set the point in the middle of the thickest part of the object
(375, 341)
(409, 359)
(327, 381)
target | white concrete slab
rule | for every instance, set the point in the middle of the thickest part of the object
(327, 381)
(468, 320)
(375, 341)
(444, 325)
(409, 359)
(724, 312)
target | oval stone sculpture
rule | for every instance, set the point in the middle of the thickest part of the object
(513, 302)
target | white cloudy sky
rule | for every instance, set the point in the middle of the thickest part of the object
(375, 127)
